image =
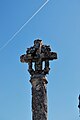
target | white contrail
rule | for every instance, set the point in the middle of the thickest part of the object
(23, 26)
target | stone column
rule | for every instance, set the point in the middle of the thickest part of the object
(39, 97)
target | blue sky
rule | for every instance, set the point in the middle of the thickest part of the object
(58, 25)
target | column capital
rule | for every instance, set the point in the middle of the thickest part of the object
(38, 78)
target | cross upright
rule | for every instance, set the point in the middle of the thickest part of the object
(38, 57)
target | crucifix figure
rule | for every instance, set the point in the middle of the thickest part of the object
(38, 57)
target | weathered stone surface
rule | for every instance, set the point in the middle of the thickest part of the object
(39, 98)
(38, 54)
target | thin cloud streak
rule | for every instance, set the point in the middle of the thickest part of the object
(16, 33)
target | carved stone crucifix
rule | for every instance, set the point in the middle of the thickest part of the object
(38, 55)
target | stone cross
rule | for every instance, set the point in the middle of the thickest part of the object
(38, 57)
(38, 54)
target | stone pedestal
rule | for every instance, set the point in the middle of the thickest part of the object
(39, 97)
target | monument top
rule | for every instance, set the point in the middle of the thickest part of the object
(38, 54)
